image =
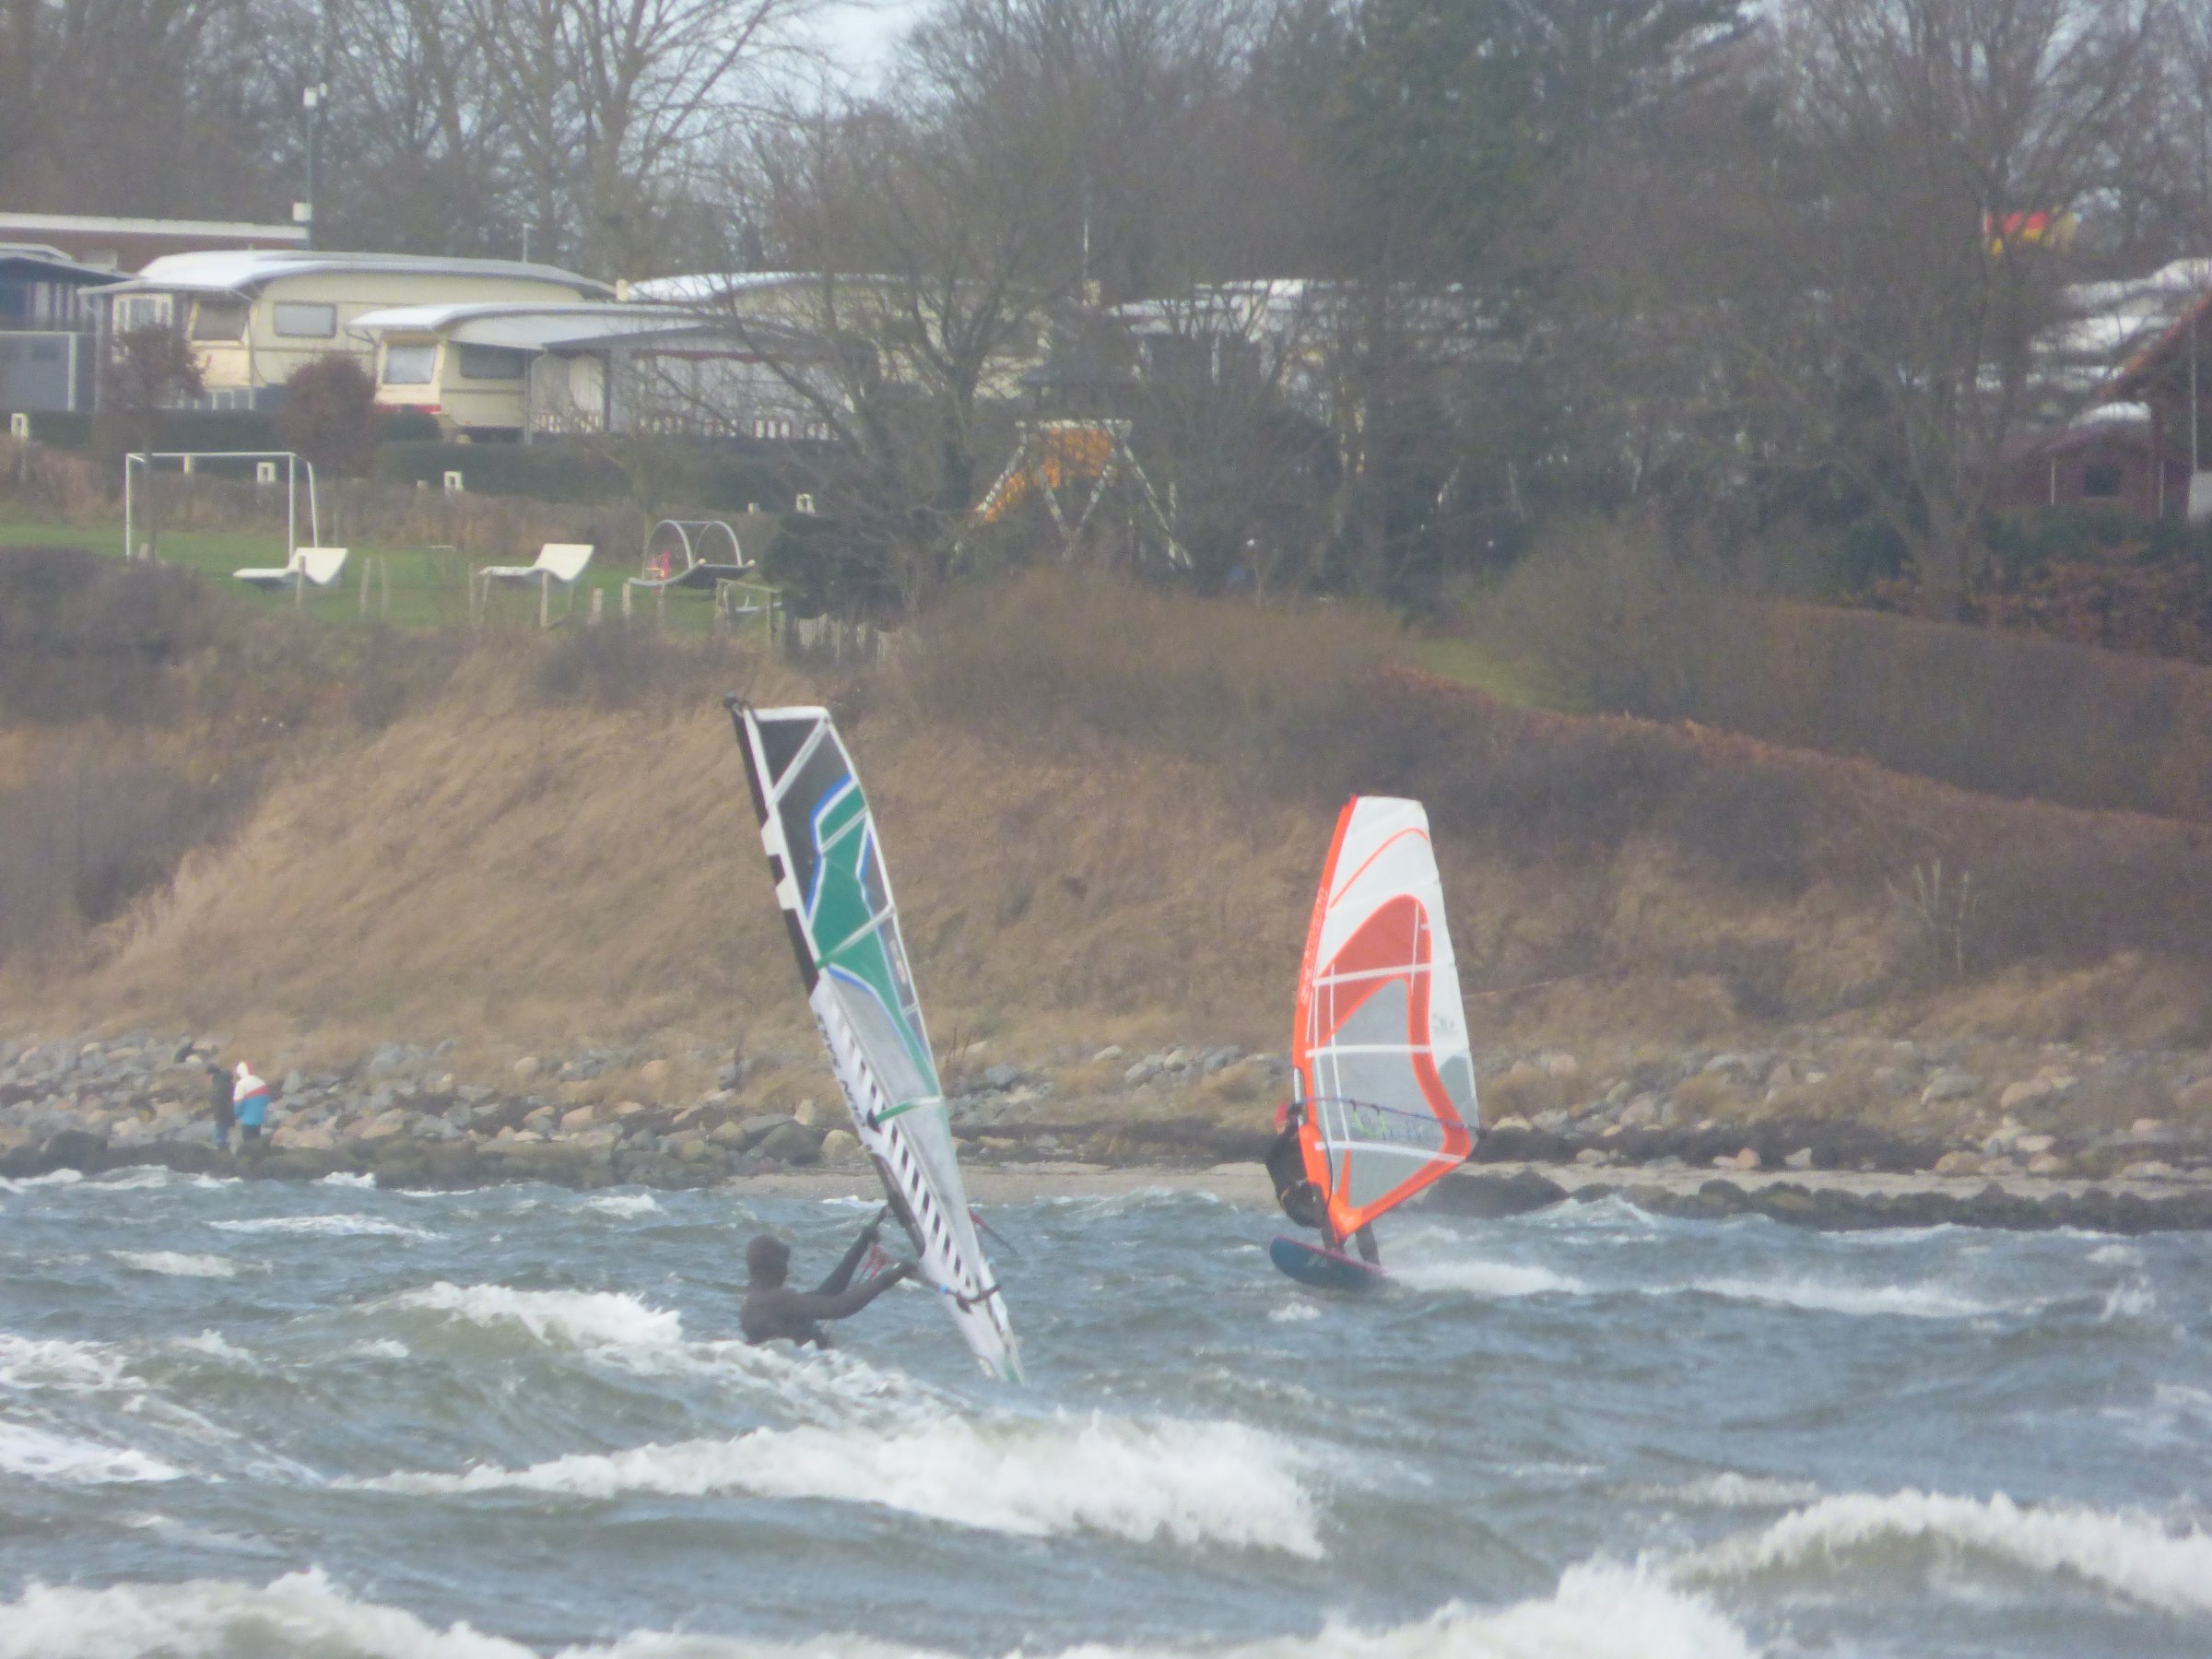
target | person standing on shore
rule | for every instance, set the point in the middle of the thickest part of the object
(250, 1100)
(219, 1103)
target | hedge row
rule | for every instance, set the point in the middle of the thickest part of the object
(729, 475)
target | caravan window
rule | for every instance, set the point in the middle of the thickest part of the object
(492, 363)
(301, 322)
(219, 319)
(140, 311)
(409, 365)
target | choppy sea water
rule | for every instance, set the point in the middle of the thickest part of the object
(259, 1419)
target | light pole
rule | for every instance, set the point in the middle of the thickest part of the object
(310, 112)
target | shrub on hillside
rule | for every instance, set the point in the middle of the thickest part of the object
(83, 637)
(1603, 621)
(83, 836)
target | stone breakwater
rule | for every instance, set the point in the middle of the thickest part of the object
(1678, 1131)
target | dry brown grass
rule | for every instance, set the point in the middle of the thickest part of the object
(1093, 844)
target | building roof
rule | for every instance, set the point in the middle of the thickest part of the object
(78, 224)
(245, 271)
(520, 324)
(2147, 322)
(35, 262)
(525, 325)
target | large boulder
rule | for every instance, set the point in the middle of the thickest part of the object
(1466, 1192)
(744, 1135)
(791, 1143)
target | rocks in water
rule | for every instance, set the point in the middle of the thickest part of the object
(1484, 1196)
(841, 1146)
(1800, 1159)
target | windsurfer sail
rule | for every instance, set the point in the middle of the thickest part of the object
(1383, 1081)
(828, 868)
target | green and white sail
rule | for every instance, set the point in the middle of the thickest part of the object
(828, 868)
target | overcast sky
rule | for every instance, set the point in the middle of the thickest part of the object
(859, 36)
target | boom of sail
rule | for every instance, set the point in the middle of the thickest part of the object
(1379, 1051)
(828, 868)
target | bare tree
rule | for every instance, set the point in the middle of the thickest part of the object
(606, 103)
(1927, 131)
(425, 156)
(137, 106)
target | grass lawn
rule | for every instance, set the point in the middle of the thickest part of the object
(1473, 665)
(428, 586)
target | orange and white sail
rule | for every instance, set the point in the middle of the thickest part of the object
(1381, 1046)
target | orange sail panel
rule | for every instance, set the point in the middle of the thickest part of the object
(1380, 1045)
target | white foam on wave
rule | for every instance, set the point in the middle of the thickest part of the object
(1818, 1296)
(347, 1178)
(2134, 1299)
(301, 1612)
(331, 1227)
(1296, 1313)
(1475, 1278)
(592, 1319)
(1597, 1612)
(1729, 1489)
(623, 1204)
(2131, 1556)
(51, 1178)
(214, 1346)
(177, 1264)
(381, 1348)
(29, 1362)
(1216, 1483)
(615, 1328)
(41, 1455)
(135, 1181)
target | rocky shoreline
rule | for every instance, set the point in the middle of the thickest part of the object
(1851, 1133)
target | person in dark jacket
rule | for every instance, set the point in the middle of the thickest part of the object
(1285, 1161)
(219, 1103)
(772, 1308)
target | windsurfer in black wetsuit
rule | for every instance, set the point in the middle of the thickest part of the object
(775, 1309)
(1303, 1201)
(1286, 1160)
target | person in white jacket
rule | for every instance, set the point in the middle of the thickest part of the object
(250, 1101)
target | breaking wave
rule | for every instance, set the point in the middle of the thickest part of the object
(623, 1204)
(1597, 1612)
(53, 1362)
(1815, 1295)
(1488, 1278)
(1187, 1482)
(177, 1264)
(2130, 1556)
(331, 1227)
(55, 1457)
(588, 1319)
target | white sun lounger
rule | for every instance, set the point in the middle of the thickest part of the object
(317, 567)
(560, 562)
